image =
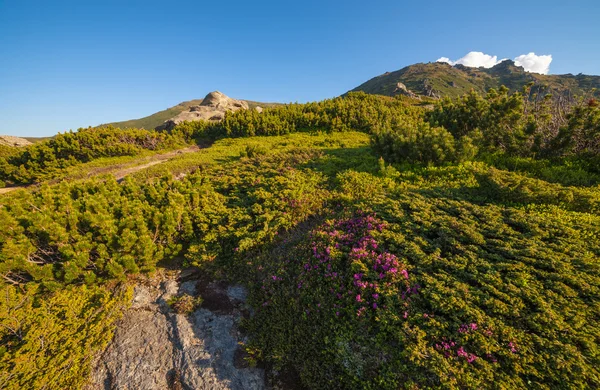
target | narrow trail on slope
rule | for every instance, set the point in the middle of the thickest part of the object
(6, 190)
(120, 171)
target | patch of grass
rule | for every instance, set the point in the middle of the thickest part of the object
(184, 304)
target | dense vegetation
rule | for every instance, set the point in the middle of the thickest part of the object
(500, 123)
(50, 158)
(471, 262)
(44, 160)
(495, 288)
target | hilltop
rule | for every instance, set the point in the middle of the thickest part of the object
(212, 108)
(440, 79)
(155, 120)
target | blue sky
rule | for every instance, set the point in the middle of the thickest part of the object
(70, 64)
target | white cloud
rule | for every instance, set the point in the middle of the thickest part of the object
(530, 62)
(534, 63)
(474, 59)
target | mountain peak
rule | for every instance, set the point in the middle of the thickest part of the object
(507, 66)
(219, 100)
(442, 79)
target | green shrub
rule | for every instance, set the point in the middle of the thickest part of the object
(521, 124)
(581, 135)
(44, 159)
(421, 144)
(49, 340)
(254, 151)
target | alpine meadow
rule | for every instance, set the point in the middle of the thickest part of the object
(436, 227)
(384, 243)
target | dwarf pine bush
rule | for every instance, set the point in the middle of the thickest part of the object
(433, 272)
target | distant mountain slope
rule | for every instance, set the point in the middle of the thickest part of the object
(441, 79)
(34, 140)
(152, 121)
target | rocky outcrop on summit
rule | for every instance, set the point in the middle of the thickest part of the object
(10, 140)
(213, 108)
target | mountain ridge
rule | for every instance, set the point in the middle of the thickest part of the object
(439, 79)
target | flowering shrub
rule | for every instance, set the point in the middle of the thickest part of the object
(340, 292)
(501, 288)
(361, 278)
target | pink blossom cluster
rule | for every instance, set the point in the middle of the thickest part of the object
(335, 247)
(448, 347)
(466, 328)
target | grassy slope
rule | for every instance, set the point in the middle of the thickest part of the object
(151, 121)
(37, 139)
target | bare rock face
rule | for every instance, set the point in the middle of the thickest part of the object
(402, 90)
(221, 101)
(10, 140)
(155, 348)
(213, 108)
(430, 91)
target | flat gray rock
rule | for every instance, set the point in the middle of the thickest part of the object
(155, 348)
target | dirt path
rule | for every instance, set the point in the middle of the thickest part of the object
(119, 171)
(6, 190)
(155, 348)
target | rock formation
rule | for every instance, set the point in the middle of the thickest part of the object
(402, 90)
(213, 108)
(430, 91)
(10, 140)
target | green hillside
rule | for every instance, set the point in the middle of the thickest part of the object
(383, 245)
(441, 79)
(37, 139)
(150, 122)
